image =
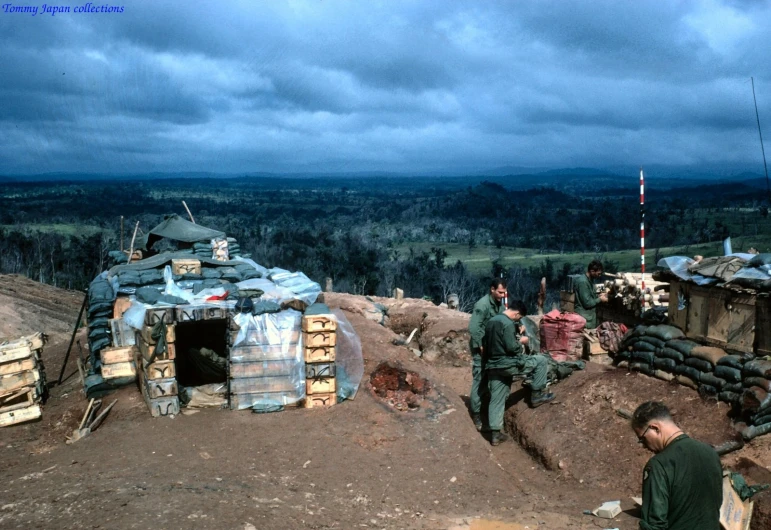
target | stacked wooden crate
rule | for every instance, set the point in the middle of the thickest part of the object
(158, 375)
(319, 341)
(266, 362)
(22, 380)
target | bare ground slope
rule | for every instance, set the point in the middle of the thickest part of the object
(358, 464)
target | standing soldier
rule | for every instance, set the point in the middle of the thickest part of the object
(486, 308)
(504, 359)
(586, 297)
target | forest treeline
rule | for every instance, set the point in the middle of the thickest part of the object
(360, 232)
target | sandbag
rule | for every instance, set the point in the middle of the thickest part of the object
(669, 353)
(733, 387)
(709, 378)
(662, 363)
(757, 368)
(664, 332)
(707, 391)
(755, 399)
(687, 381)
(729, 397)
(762, 420)
(684, 346)
(749, 432)
(708, 353)
(658, 343)
(623, 364)
(562, 335)
(700, 364)
(623, 356)
(689, 371)
(761, 382)
(642, 368)
(643, 356)
(642, 345)
(664, 376)
(728, 373)
(734, 361)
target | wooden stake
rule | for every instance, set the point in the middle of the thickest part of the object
(88, 411)
(121, 233)
(131, 250)
(542, 296)
(188, 212)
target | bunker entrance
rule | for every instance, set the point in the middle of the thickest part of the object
(201, 352)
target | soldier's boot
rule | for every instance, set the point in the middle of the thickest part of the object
(539, 397)
(477, 421)
(498, 438)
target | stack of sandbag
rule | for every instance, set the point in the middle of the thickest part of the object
(756, 399)
(562, 335)
(663, 352)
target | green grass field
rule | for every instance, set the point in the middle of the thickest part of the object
(63, 229)
(479, 259)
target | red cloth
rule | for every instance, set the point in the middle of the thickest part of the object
(217, 297)
(562, 335)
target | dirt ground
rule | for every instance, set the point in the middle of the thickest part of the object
(359, 464)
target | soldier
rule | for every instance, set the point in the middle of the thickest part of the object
(586, 297)
(486, 308)
(504, 359)
(683, 482)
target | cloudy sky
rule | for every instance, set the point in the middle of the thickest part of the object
(405, 86)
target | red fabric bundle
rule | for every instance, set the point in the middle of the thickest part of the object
(561, 335)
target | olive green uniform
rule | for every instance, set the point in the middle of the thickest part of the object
(504, 359)
(586, 300)
(682, 487)
(485, 309)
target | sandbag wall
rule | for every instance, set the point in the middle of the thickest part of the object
(742, 381)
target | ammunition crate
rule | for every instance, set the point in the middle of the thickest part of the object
(247, 401)
(147, 334)
(114, 355)
(263, 369)
(264, 353)
(319, 338)
(319, 400)
(159, 370)
(160, 388)
(312, 323)
(320, 385)
(320, 354)
(185, 266)
(113, 371)
(153, 316)
(257, 385)
(319, 370)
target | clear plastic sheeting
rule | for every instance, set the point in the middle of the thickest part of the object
(270, 290)
(349, 362)
(259, 268)
(304, 288)
(134, 316)
(172, 288)
(679, 267)
(267, 369)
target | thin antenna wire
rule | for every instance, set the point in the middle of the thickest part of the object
(762, 150)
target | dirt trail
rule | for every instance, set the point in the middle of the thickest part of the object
(360, 464)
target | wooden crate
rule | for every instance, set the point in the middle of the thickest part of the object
(33, 342)
(568, 301)
(320, 400)
(319, 370)
(118, 355)
(154, 315)
(263, 369)
(678, 290)
(185, 266)
(257, 385)
(698, 312)
(22, 365)
(116, 370)
(16, 353)
(19, 399)
(29, 413)
(247, 401)
(122, 303)
(320, 354)
(122, 333)
(319, 338)
(147, 333)
(731, 320)
(159, 369)
(259, 337)
(263, 353)
(763, 325)
(9, 383)
(146, 351)
(160, 388)
(320, 385)
(163, 406)
(319, 323)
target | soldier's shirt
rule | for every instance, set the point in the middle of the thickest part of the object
(485, 309)
(682, 487)
(586, 300)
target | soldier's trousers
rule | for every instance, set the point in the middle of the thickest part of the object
(478, 384)
(499, 382)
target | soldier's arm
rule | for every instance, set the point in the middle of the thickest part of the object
(475, 328)
(586, 296)
(655, 506)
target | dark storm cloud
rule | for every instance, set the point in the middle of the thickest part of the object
(398, 85)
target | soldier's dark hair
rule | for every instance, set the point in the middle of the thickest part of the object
(595, 265)
(497, 282)
(649, 411)
(518, 305)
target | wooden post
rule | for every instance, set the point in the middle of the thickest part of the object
(329, 287)
(542, 296)
(131, 250)
(188, 212)
(398, 294)
(121, 233)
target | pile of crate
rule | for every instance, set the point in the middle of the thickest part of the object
(158, 377)
(319, 340)
(22, 380)
(266, 363)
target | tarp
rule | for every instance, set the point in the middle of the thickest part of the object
(178, 229)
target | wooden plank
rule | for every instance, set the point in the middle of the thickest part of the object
(742, 329)
(160, 388)
(319, 338)
(12, 382)
(256, 385)
(122, 303)
(319, 400)
(320, 385)
(21, 415)
(114, 355)
(678, 292)
(762, 326)
(263, 369)
(34, 342)
(698, 312)
(263, 353)
(113, 371)
(19, 399)
(718, 315)
(18, 366)
(160, 370)
(321, 354)
(15, 353)
(312, 323)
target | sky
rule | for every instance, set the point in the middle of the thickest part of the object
(415, 87)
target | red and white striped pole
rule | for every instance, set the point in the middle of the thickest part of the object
(642, 234)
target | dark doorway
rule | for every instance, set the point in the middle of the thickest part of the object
(195, 340)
